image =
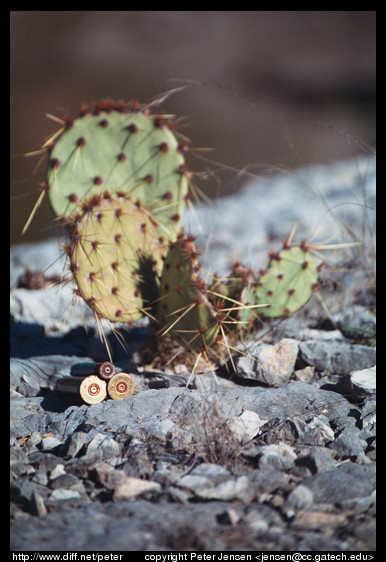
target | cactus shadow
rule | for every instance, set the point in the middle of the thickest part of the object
(29, 340)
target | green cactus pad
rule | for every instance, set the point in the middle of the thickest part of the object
(184, 310)
(117, 150)
(288, 283)
(115, 258)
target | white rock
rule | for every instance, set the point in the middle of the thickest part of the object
(204, 477)
(50, 442)
(364, 380)
(301, 497)
(108, 446)
(246, 426)
(64, 494)
(133, 487)
(305, 375)
(270, 364)
(57, 471)
(233, 489)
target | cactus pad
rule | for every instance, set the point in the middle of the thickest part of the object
(117, 149)
(184, 310)
(115, 257)
(288, 282)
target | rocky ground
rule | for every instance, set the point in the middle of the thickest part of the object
(279, 456)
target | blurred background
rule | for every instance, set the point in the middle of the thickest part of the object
(262, 89)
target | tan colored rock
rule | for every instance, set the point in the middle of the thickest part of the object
(133, 487)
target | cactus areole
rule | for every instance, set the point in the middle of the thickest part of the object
(116, 149)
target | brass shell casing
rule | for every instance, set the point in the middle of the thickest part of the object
(120, 386)
(106, 370)
(91, 389)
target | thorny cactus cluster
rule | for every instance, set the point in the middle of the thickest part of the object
(118, 180)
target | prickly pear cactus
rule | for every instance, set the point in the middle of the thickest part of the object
(118, 149)
(117, 178)
(184, 310)
(116, 257)
(288, 282)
